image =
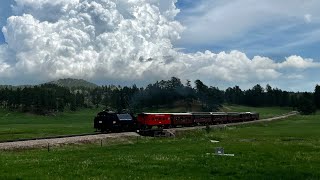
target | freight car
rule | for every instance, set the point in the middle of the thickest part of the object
(110, 121)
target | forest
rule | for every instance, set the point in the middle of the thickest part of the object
(48, 99)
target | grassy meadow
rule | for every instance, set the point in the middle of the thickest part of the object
(14, 125)
(286, 149)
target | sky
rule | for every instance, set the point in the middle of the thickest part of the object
(223, 43)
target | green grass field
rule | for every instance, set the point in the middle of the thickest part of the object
(286, 149)
(15, 125)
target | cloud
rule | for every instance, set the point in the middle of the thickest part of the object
(108, 40)
(299, 63)
(90, 39)
(295, 76)
(308, 18)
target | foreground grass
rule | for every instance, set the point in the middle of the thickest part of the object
(14, 125)
(288, 149)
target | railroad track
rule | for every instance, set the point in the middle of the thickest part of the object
(64, 140)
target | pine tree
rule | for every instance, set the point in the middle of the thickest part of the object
(306, 104)
(317, 96)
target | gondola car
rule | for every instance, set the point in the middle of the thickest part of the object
(109, 121)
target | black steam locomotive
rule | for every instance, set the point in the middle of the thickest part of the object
(110, 121)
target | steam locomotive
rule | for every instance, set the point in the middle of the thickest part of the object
(115, 122)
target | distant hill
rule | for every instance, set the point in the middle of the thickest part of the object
(72, 83)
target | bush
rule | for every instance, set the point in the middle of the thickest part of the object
(306, 106)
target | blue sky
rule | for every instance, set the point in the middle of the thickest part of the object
(274, 34)
(246, 41)
(5, 12)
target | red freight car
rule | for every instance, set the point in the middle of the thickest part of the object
(181, 119)
(148, 120)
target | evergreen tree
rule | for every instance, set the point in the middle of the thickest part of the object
(306, 104)
(73, 103)
(317, 96)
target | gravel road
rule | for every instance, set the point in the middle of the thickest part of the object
(63, 141)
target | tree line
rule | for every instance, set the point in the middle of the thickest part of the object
(50, 98)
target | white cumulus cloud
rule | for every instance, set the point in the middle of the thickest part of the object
(298, 62)
(122, 40)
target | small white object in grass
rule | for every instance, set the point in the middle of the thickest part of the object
(224, 154)
(214, 141)
(220, 154)
(219, 150)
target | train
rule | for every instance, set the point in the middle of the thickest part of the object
(107, 121)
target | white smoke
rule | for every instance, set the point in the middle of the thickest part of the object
(123, 40)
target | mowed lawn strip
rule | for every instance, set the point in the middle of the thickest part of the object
(288, 149)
